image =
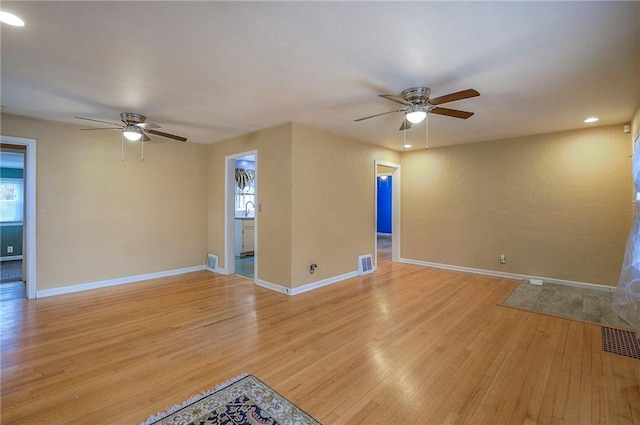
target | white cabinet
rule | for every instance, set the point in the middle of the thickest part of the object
(245, 236)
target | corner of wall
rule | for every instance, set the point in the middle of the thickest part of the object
(635, 125)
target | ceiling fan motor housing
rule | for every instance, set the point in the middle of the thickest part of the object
(131, 118)
(417, 95)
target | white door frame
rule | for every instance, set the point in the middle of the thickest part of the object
(230, 214)
(395, 211)
(29, 222)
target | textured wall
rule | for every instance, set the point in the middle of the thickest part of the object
(317, 192)
(333, 202)
(99, 218)
(274, 193)
(558, 205)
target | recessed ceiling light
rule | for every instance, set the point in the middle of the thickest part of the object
(407, 146)
(591, 119)
(11, 19)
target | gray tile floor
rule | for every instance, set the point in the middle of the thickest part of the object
(586, 305)
(244, 266)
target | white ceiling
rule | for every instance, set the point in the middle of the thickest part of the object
(213, 70)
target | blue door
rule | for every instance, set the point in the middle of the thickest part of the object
(384, 204)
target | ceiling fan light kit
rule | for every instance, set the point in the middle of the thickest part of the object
(416, 114)
(131, 133)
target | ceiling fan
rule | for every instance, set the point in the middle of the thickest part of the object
(135, 127)
(419, 105)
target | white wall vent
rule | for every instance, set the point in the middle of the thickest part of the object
(365, 264)
(212, 263)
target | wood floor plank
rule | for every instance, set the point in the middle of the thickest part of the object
(406, 344)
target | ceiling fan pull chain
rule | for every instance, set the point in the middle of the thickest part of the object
(142, 144)
(122, 148)
(426, 130)
(404, 133)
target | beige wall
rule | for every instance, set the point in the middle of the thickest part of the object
(333, 202)
(274, 193)
(99, 218)
(317, 193)
(558, 205)
(383, 169)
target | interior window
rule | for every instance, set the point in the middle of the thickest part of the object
(11, 202)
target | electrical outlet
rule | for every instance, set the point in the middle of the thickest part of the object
(503, 259)
(10, 249)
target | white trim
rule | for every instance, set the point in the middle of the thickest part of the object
(516, 276)
(30, 216)
(273, 286)
(11, 258)
(324, 282)
(308, 287)
(118, 281)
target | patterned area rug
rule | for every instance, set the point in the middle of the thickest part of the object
(244, 400)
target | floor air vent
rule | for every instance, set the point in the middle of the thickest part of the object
(623, 343)
(365, 264)
(212, 263)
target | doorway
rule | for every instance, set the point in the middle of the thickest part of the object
(18, 215)
(241, 247)
(387, 214)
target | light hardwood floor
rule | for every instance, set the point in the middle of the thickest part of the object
(406, 345)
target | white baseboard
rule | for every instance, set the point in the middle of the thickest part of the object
(304, 288)
(112, 282)
(507, 275)
(273, 286)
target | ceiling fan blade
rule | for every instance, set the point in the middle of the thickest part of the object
(170, 136)
(145, 138)
(406, 125)
(103, 122)
(147, 124)
(451, 112)
(383, 113)
(395, 98)
(102, 128)
(464, 94)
